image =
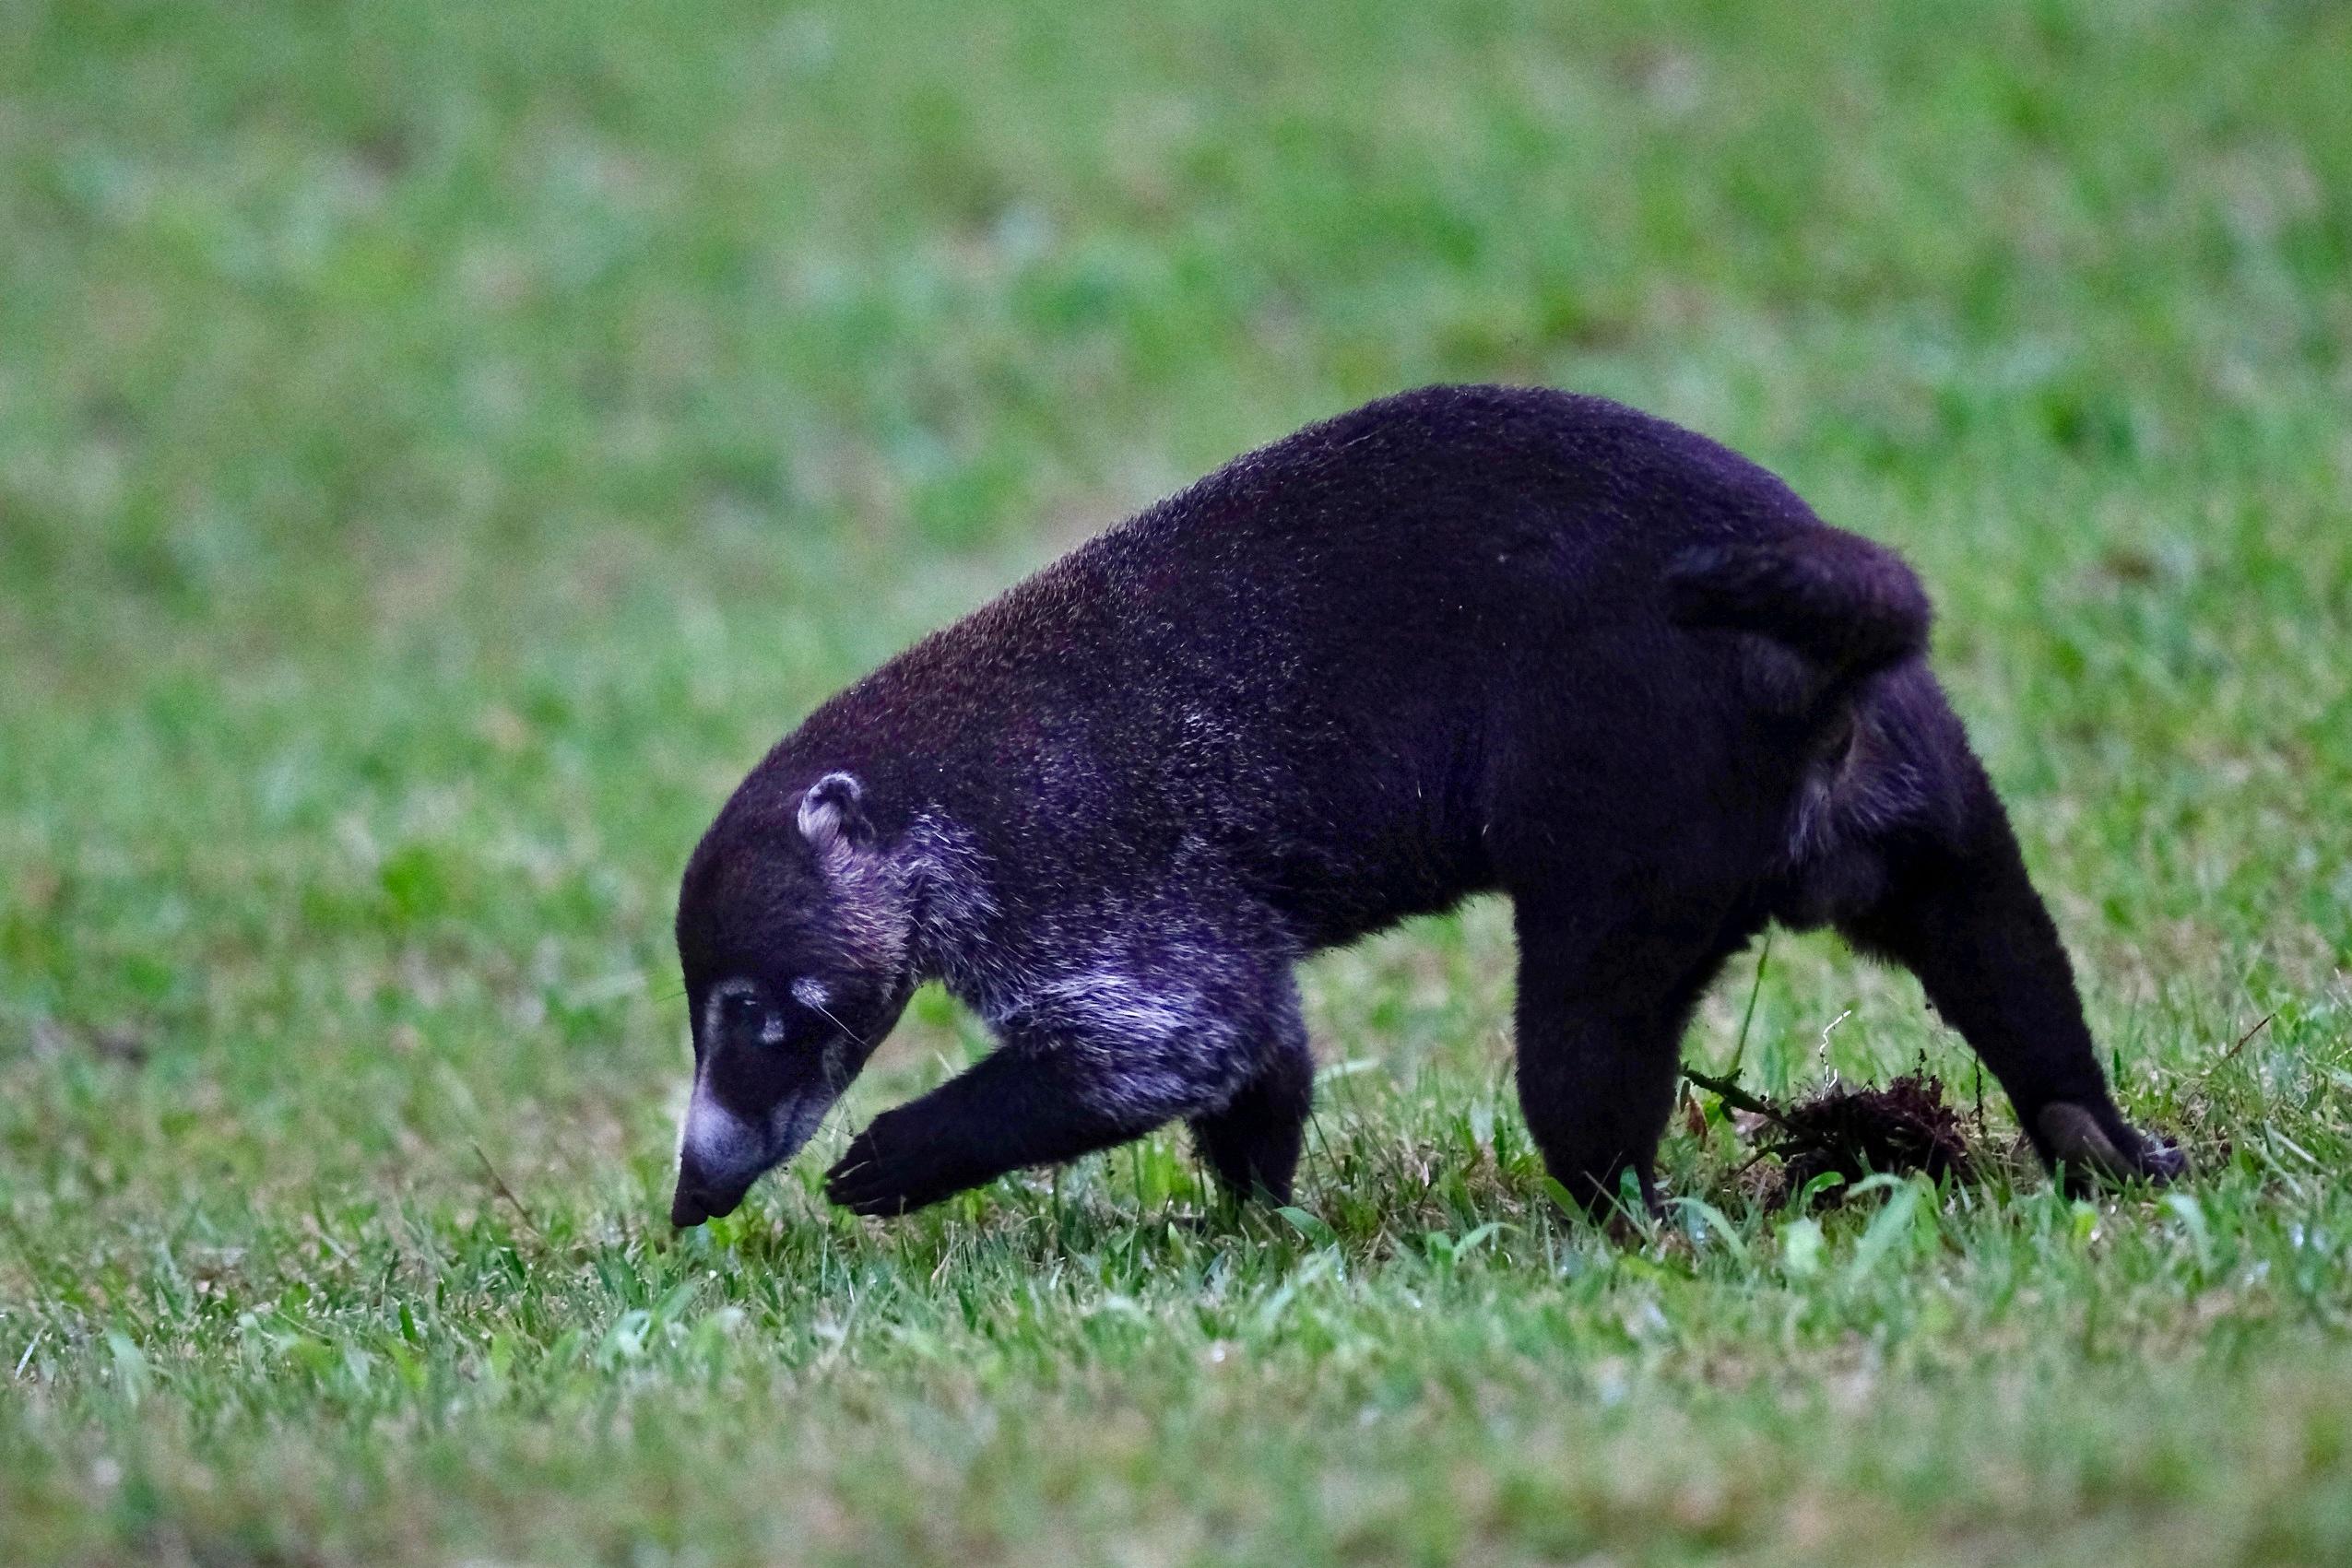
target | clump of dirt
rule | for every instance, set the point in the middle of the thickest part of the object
(1853, 1133)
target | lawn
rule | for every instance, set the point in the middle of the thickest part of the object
(441, 446)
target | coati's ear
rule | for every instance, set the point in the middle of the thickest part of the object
(832, 815)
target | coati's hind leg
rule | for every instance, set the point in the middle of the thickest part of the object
(1252, 1144)
(1600, 1019)
(1959, 911)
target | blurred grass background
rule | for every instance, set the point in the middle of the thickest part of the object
(441, 447)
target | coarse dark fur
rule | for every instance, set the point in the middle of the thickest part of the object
(1463, 640)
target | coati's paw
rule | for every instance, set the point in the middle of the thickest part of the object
(2072, 1136)
(1620, 1207)
(894, 1166)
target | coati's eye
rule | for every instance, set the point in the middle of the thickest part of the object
(738, 1013)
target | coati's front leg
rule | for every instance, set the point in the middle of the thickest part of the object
(1020, 1107)
(1252, 1144)
(1092, 1060)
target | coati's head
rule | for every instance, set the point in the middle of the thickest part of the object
(793, 928)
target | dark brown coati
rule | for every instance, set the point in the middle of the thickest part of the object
(1463, 640)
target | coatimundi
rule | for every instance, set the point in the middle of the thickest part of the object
(1464, 640)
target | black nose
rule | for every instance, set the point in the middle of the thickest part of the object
(693, 1203)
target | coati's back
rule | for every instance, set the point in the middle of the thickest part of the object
(1326, 654)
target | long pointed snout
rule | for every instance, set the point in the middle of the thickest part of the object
(722, 1152)
(719, 1156)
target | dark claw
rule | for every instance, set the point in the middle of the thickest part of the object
(857, 1178)
(2076, 1139)
(883, 1174)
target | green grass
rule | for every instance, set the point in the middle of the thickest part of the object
(440, 446)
